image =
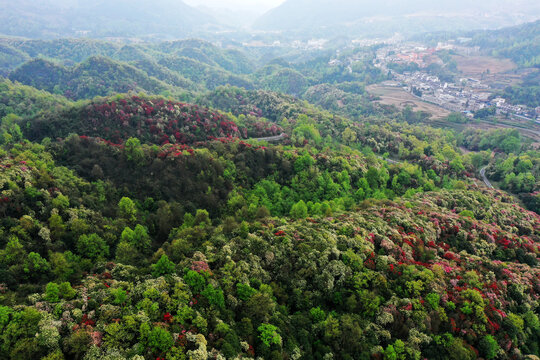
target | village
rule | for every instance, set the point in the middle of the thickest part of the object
(467, 96)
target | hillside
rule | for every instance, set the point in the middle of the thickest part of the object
(85, 68)
(202, 73)
(254, 197)
(433, 274)
(153, 120)
(26, 101)
(520, 43)
(96, 76)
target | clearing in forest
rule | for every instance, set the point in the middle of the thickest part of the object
(391, 95)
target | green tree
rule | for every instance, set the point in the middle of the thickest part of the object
(215, 296)
(92, 246)
(160, 340)
(268, 335)
(10, 132)
(61, 202)
(489, 347)
(127, 209)
(164, 266)
(66, 291)
(52, 292)
(138, 237)
(134, 151)
(299, 210)
(35, 265)
(195, 280)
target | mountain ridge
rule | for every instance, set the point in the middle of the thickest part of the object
(304, 14)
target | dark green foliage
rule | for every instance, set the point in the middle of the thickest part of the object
(160, 340)
(52, 292)
(163, 267)
(489, 347)
(96, 76)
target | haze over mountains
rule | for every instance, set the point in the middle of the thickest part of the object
(397, 15)
(100, 18)
(173, 19)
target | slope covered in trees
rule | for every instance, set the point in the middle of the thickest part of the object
(152, 119)
(96, 76)
(434, 274)
(26, 101)
(143, 227)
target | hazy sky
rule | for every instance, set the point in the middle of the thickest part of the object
(259, 5)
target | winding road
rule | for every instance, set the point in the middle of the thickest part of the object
(486, 181)
(271, 138)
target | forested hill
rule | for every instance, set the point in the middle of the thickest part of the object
(145, 215)
(96, 76)
(520, 43)
(82, 69)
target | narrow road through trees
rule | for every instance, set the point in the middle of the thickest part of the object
(271, 138)
(486, 181)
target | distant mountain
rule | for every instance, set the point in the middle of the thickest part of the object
(398, 15)
(101, 18)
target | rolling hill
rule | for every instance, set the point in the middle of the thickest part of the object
(97, 76)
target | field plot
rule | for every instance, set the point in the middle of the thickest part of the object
(391, 95)
(476, 65)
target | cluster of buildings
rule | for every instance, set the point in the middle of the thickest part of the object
(407, 53)
(467, 96)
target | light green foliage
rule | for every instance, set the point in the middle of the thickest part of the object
(4, 316)
(66, 291)
(299, 210)
(395, 351)
(202, 218)
(61, 202)
(160, 340)
(134, 151)
(92, 246)
(244, 291)
(10, 132)
(433, 300)
(138, 237)
(127, 209)
(317, 314)
(268, 335)
(119, 296)
(215, 296)
(467, 213)
(35, 264)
